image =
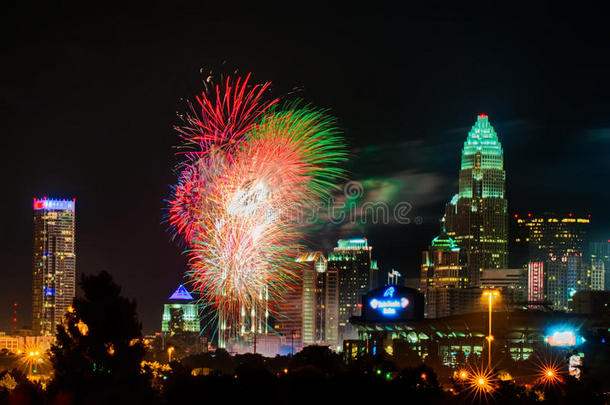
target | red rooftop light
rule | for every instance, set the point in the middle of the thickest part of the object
(482, 115)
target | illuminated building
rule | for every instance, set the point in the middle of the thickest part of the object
(309, 314)
(351, 259)
(476, 217)
(600, 258)
(181, 314)
(598, 274)
(440, 273)
(556, 245)
(519, 334)
(535, 282)
(54, 263)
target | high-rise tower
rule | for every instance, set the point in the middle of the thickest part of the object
(476, 218)
(557, 264)
(441, 273)
(351, 259)
(54, 271)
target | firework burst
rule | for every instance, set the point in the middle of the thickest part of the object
(241, 196)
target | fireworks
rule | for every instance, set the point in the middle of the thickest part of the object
(250, 174)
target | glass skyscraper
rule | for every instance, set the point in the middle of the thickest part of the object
(441, 273)
(476, 217)
(351, 259)
(600, 265)
(54, 263)
(557, 257)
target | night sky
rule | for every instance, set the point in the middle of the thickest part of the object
(89, 98)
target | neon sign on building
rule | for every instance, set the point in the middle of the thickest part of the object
(389, 305)
(55, 205)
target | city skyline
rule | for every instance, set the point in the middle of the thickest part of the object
(414, 157)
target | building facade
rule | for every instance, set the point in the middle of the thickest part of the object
(54, 263)
(476, 217)
(557, 256)
(351, 259)
(512, 283)
(600, 258)
(320, 300)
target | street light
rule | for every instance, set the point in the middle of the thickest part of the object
(490, 294)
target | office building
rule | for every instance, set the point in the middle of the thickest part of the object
(557, 259)
(181, 314)
(476, 217)
(318, 306)
(54, 263)
(598, 274)
(600, 258)
(351, 259)
(441, 272)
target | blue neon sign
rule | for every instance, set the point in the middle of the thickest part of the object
(53, 205)
(389, 305)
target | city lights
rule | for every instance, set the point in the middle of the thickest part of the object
(481, 382)
(549, 373)
(490, 294)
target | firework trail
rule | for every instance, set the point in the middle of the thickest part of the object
(251, 172)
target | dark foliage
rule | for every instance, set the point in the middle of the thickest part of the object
(97, 355)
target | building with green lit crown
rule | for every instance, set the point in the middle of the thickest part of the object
(476, 217)
(351, 259)
(441, 274)
(181, 314)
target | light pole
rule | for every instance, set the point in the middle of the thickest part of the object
(491, 294)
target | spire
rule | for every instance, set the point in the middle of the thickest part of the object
(484, 139)
(181, 294)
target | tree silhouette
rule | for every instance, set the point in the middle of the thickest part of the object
(98, 349)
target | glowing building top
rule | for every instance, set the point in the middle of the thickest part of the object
(181, 294)
(444, 243)
(51, 204)
(354, 243)
(482, 139)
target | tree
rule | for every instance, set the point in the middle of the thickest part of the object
(98, 349)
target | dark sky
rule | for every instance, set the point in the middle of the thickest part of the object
(89, 98)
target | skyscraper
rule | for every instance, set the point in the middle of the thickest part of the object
(351, 259)
(557, 259)
(441, 272)
(320, 300)
(476, 217)
(600, 265)
(54, 258)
